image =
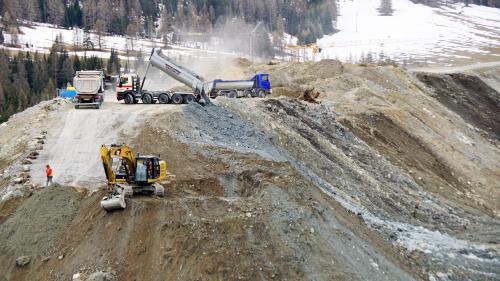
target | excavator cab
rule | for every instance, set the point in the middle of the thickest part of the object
(148, 169)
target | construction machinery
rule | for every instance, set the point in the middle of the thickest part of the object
(89, 85)
(129, 173)
(130, 88)
(315, 49)
(179, 73)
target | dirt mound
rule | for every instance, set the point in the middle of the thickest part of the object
(242, 62)
(35, 228)
(469, 97)
(300, 76)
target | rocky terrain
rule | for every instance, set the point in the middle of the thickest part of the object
(392, 175)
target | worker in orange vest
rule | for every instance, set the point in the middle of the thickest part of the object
(49, 175)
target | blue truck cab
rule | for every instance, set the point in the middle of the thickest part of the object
(262, 81)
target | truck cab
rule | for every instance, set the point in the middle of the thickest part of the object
(262, 81)
(126, 82)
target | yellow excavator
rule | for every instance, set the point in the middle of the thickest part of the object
(129, 173)
(315, 49)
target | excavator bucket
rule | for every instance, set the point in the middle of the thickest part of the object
(114, 202)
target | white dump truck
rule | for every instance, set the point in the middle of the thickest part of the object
(89, 85)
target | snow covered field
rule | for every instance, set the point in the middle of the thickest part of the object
(414, 33)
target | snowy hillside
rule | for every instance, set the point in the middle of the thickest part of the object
(410, 33)
(414, 32)
(40, 37)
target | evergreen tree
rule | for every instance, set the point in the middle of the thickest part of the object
(67, 71)
(113, 65)
(385, 8)
(73, 15)
(50, 91)
(77, 65)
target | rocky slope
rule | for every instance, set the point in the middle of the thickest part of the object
(393, 176)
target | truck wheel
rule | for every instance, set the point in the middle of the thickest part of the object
(97, 106)
(77, 106)
(147, 99)
(163, 99)
(177, 99)
(261, 94)
(189, 99)
(129, 99)
(232, 94)
(247, 93)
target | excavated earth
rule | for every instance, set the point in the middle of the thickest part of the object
(393, 175)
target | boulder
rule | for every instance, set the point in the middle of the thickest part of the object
(101, 276)
(23, 260)
(19, 180)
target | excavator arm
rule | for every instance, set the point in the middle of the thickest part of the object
(125, 154)
(107, 163)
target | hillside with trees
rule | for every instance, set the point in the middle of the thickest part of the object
(306, 19)
(28, 78)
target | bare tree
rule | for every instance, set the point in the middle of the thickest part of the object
(14, 39)
(104, 13)
(166, 26)
(55, 11)
(100, 27)
(132, 33)
(90, 12)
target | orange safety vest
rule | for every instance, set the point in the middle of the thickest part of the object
(49, 172)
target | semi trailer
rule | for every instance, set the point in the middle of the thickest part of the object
(131, 88)
(89, 85)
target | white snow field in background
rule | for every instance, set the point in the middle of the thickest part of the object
(414, 32)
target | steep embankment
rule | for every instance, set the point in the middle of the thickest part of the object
(384, 180)
(447, 166)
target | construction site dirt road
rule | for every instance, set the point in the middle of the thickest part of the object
(392, 176)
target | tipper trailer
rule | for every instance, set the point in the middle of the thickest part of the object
(133, 90)
(89, 85)
(130, 87)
